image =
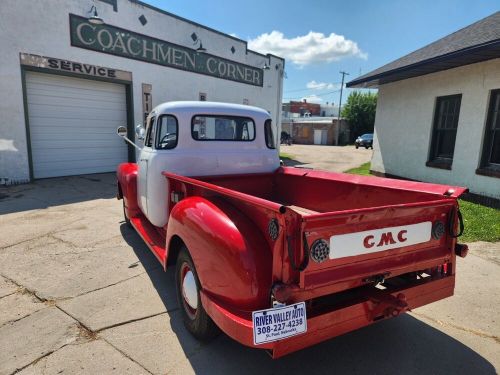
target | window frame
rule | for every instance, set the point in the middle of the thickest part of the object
(223, 117)
(266, 135)
(150, 132)
(157, 140)
(486, 167)
(435, 160)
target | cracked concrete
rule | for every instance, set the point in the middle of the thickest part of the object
(81, 293)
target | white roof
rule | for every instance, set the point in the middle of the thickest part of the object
(211, 108)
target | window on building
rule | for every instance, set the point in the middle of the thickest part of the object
(491, 145)
(203, 97)
(222, 128)
(166, 132)
(444, 131)
(268, 129)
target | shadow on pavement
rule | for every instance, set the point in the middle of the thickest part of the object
(290, 162)
(57, 191)
(403, 345)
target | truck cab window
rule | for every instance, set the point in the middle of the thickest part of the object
(268, 130)
(166, 132)
(150, 133)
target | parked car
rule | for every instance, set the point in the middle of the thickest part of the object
(365, 140)
(281, 258)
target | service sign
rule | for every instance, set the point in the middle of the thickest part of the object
(120, 42)
(279, 323)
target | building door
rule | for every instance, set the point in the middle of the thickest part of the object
(320, 136)
(72, 125)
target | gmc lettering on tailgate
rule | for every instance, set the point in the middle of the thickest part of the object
(385, 239)
(370, 241)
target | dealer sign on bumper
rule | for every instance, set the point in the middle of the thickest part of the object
(279, 323)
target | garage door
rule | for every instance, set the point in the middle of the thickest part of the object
(73, 125)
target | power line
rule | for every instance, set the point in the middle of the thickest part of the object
(340, 105)
(307, 89)
(323, 94)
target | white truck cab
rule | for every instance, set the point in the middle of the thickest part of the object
(200, 139)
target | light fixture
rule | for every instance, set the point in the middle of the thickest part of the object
(266, 66)
(94, 19)
(201, 48)
(196, 41)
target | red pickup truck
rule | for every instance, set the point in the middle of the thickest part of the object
(281, 258)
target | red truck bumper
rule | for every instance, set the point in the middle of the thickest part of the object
(328, 323)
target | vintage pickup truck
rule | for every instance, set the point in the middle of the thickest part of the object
(281, 258)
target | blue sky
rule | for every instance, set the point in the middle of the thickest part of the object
(366, 34)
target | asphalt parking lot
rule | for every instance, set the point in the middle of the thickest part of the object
(80, 293)
(328, 158)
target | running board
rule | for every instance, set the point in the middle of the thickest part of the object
(151, 235)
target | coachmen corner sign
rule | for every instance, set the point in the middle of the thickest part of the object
(121, 42)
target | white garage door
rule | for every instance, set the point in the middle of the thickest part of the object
(73, 125)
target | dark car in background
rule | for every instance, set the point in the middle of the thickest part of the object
(365, 140)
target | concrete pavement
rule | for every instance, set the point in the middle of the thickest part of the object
(81, 293)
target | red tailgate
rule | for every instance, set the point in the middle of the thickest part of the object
(378, 242)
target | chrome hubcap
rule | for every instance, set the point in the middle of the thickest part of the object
(189, 290)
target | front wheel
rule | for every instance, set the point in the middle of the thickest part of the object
(194, 315)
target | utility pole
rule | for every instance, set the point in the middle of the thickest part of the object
(340, 107)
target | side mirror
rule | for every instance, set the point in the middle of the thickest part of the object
(122, 131)
(140, 132)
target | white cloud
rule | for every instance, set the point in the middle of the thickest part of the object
(322, 85)
(234, 35)
(313, 99)
(307, 49)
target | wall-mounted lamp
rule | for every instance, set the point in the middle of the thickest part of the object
(266, 66)
(196, 41)
(94, 18)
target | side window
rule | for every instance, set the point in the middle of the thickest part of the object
(444, 130)
(268, 130)
(150, 133)
(166, 132)
(491, 145)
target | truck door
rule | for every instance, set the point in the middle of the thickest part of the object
(145, 155)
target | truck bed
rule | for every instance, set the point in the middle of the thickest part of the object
(311, 192)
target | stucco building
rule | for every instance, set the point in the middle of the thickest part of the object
(72, 73)
(438, 111)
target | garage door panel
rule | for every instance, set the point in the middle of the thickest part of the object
(73, 125)
(86, 113)
(77, 155)
(73, 91)
(74, 102)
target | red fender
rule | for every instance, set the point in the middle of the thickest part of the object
(232, 259)
(127, 187)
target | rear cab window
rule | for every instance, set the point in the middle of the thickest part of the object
(222, 128)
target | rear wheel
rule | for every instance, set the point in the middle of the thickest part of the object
(194, 315)
(357, 147)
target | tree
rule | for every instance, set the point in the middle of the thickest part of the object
(360, 112)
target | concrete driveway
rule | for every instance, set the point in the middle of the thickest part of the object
(80, 293)
(329, 158)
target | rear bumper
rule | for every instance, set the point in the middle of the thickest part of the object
(328, 323)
